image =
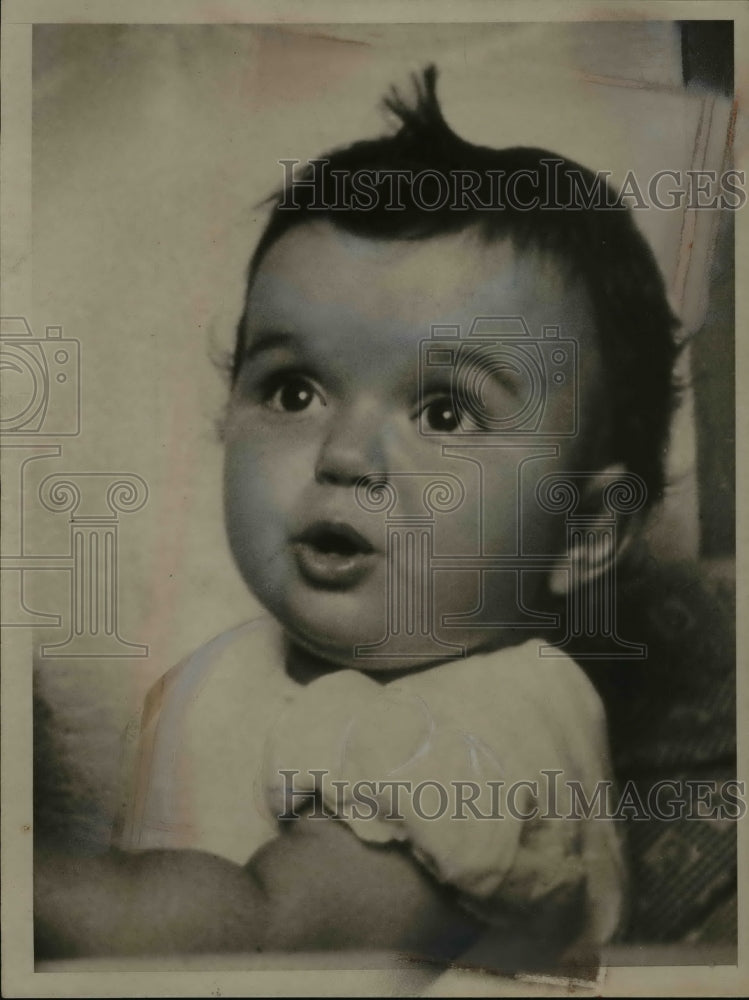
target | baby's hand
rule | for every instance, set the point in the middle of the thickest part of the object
(330, 890)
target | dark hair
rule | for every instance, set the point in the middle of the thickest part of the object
(601, 246)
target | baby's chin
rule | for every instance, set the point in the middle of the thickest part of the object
(313, 654)
(349, 630)
(336, 630)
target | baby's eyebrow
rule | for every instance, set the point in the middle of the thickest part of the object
(269, 340)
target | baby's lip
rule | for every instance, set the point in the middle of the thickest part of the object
(335, 537)
(333, 555)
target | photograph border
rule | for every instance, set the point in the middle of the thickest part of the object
(197, 976)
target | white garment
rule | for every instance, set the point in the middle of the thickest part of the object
(220, 728)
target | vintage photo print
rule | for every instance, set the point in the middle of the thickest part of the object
(371, 553)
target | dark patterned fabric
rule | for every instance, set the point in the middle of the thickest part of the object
(673, 717)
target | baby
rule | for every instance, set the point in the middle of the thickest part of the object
(365, 764)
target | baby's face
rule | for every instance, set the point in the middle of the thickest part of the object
(329, 393)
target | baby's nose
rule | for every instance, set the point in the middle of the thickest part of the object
(352, 447)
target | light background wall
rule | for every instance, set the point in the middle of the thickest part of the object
(152, 146)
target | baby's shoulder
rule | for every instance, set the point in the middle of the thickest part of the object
(525, 674)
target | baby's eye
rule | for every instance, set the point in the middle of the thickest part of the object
(440, 416)
(290, 392)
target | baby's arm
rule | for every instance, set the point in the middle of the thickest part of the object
(150, 902)
(328, 889)
(316, 886)
(331, 890)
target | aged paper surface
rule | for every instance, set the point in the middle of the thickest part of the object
(139, 143)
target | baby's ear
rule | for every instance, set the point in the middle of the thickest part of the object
(590, 553)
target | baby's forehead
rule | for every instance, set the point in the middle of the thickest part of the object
(318, 274)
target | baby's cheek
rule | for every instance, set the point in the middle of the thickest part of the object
(251, 506)
(456, 592)
(256, 479)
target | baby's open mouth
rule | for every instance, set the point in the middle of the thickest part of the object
(340, 539)
(332, 554)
